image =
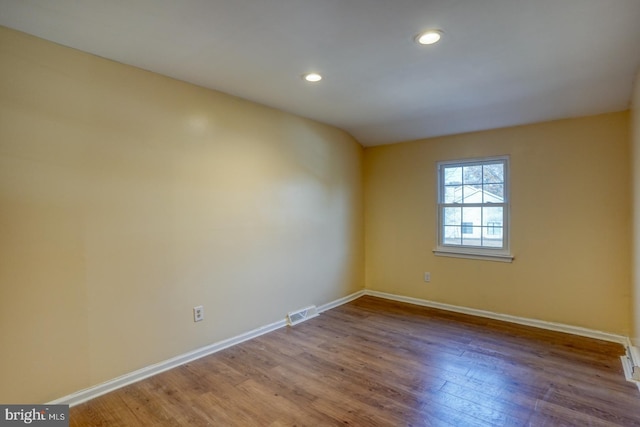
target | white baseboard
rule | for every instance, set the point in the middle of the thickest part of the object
(552, 326)
(340, 301)
(149, 371)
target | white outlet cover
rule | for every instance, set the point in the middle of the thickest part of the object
(198, 313)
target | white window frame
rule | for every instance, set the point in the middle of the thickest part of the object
(474, 252)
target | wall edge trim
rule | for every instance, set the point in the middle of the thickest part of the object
(151, 370)
(340, 301)
(92, 392)
(542, 324)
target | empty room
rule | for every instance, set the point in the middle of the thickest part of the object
(278, 213)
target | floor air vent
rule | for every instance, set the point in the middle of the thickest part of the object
(631, 365)
(295, 317)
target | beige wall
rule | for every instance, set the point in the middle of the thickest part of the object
(570, 186)
(635, 167)
(127, 198)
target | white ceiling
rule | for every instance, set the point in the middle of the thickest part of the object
(500, 62)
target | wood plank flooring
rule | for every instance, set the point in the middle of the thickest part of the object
(374, 362)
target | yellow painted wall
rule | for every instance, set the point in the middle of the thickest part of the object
(128, 198)
(635, 167)
(570, 186)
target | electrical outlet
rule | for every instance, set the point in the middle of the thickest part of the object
(427, 277)
(198, 313)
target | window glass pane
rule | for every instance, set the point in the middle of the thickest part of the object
(492, 236)
(472, 174)
(472, 230)
(473, 238)
(493, 173)
(492, 221)
(493, 193)
(472, 194)
(452, 216)
(492, 216)
(472, 215)
(452, 194)
(451, 235)
(452, 175)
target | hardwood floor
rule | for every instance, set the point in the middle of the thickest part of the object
(374, 362)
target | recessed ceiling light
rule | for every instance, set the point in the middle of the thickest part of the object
(429, 37)
(312, 77)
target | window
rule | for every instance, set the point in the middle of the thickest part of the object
(473, 208)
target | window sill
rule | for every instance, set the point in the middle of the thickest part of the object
(473, 255)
